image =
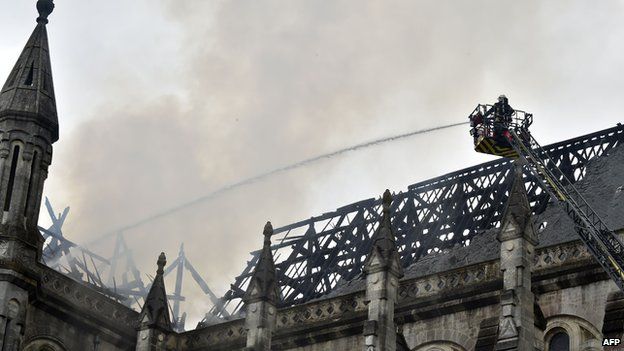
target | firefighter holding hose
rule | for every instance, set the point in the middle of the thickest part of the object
(502, 112)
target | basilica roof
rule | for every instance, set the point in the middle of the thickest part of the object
(603, 188)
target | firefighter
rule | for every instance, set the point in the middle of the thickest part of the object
(502, 111)
(502, 116)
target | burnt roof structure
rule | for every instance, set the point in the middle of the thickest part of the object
(315, 255)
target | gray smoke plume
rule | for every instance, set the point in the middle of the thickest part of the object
(262, 176)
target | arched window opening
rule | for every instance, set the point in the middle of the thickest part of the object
(440, 346)
(31, 75)
(559, 342)
(44, 344)
(14, 160)
(33, 168)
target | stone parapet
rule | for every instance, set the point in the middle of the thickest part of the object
(82, 302)
(230, 335)
(342, 317)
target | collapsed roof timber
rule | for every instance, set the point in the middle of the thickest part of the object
(314, 255)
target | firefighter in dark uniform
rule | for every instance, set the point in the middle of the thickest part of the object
(502, 116)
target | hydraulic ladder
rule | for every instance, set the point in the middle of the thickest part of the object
(601, 242)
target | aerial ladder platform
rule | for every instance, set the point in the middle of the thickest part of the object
(502, 131)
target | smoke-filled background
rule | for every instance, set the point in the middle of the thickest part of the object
(164, 101)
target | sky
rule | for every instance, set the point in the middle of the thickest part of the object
(163, 101)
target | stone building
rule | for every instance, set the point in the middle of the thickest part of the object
(528, 284)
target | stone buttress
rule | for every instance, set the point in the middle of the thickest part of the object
(261, 299)
(383, 270)
(517, 236)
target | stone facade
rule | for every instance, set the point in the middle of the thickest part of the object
(529, 289)
(444, 311)
(41, 309)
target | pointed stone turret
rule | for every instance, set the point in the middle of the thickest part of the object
(155, 320)
(263, 283)
(28, 127)
(28, 93)
(516, 329)
(384, 254)
(261, 298)
(517, 218)
(155, 311)
(383, 270)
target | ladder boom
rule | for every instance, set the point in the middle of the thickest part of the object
(601, 242)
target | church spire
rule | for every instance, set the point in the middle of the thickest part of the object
(28, 127)
(516, 329)
(382, 269)
(261, 299)
(384, 254)
(155, 311)
(516, 218)
(263, 283)
(28, 93)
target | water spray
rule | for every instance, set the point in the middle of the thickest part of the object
(271, 173)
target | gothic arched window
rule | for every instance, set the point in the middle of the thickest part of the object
(31, 75)
(29, 190)
(440, 346)
(560, 341)
(14, 161)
